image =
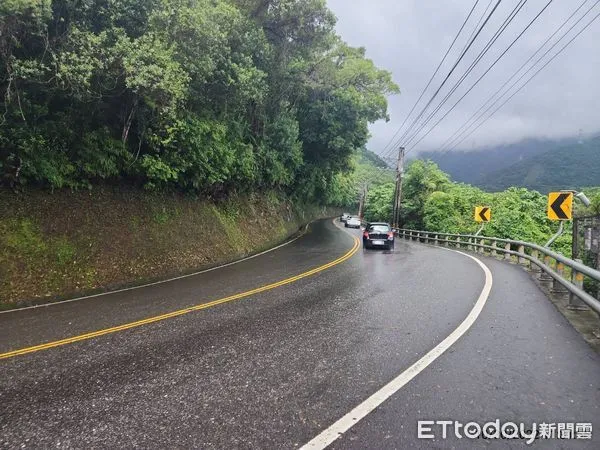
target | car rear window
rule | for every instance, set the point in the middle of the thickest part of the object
(383, 228)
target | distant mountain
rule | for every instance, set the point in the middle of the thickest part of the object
(368, 157)
(572, 166)
(474, 166)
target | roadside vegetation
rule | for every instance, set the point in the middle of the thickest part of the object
(144, 138)
(161, 124)
(433, 202)
(68, 243)
(210, 97)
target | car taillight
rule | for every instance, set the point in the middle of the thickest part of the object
(390, 235)
(366, 235)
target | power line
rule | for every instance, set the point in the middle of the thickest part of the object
(477, 25)
(532, 66)
(433, 76)
(483, 75)
(451, 70)
(460, 130)
(388, 148)
(471, 42)
(529, 80)
(476, 82)
(479, 57)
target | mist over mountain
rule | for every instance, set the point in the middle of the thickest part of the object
(543, 165)
(472, 166)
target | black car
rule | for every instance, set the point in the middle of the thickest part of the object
(378, 235)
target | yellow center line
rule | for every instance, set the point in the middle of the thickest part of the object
(149, 320)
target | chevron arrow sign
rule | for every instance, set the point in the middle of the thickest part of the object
(483, 214)
(560, 206)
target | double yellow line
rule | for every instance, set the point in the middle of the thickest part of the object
(181, 312)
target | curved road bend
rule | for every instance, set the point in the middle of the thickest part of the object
(278, 367)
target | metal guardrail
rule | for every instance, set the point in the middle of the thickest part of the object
(549, 265)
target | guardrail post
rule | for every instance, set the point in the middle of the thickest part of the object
(533, 266)
(494, 251)
(426, 238)
(458, 242)
(543, 275)
(556, 286)
(522, 260)
(446, 244)
(575, 302)
(507, 256)
(482, 249)
(435, 240)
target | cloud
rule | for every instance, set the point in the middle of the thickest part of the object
(409, 38)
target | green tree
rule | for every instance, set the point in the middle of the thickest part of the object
(422, 178)
(379, 203)
(210, 96)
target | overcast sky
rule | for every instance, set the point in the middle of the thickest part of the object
(410, 37)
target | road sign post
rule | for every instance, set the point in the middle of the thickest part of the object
(483, 215)
(560, 208)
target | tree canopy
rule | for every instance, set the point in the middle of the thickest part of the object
(211, 96)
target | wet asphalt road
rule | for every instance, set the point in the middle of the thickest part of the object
(274, 369)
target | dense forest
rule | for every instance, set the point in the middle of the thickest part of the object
(209, 96)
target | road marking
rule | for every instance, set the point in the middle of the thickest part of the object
(149, 320)
(168, 280)
(328, 436)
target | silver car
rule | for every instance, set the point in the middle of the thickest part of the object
(353, 222)
(345, 217)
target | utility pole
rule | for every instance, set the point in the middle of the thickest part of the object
(398, 192)
(394, 205)
(363, 200)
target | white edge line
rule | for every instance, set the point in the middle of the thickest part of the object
(100, 294)
(329, 435)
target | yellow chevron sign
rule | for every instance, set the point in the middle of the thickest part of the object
(560, 206)
(483, 214)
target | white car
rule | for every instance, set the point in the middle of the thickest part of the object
(353, 222)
